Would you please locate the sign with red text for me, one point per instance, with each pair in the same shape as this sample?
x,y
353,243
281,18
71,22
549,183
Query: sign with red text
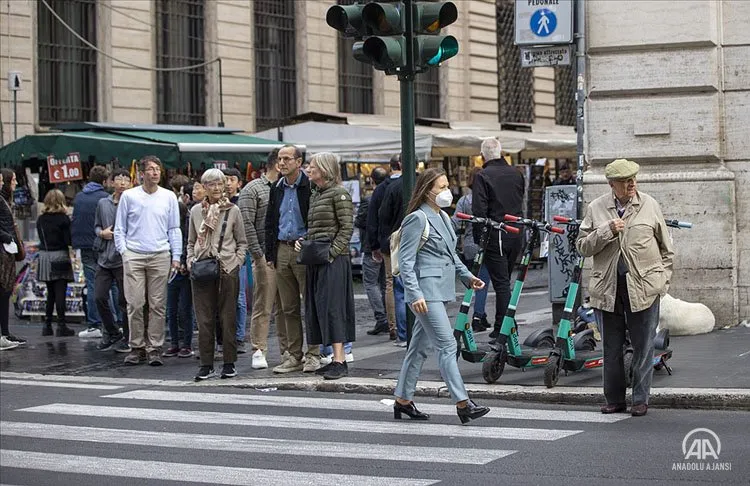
x,y
64,170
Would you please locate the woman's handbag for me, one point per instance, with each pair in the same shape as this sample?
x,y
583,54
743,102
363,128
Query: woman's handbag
x,y
209,269
21,255
315,252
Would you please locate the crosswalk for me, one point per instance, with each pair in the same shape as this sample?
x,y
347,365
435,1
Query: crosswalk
x,y
90,431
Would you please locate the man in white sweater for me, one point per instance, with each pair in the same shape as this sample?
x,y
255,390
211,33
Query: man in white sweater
x,y
148,237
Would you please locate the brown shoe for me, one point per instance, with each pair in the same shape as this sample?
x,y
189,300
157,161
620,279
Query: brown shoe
x,y
614,408
154,358
639,410
392,335
136,357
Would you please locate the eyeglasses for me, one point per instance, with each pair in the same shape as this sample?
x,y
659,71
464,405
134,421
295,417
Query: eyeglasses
x,y
286,159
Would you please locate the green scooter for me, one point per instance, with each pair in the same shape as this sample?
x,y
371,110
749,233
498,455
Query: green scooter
x,y
506,349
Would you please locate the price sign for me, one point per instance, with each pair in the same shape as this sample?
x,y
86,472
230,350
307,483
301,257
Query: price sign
x,y
64,170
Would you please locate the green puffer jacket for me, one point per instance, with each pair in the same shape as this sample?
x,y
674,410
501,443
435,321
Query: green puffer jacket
x,y
331,214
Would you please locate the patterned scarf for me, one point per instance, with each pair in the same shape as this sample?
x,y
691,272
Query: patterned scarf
x,y
211,213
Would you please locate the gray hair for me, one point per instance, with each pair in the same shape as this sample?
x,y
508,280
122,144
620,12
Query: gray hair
x,y
212,175
328,164
491,149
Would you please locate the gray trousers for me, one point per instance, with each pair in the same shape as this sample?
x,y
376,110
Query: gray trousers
x,y
431,331
642,328
373,277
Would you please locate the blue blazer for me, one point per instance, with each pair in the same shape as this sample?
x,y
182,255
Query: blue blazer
x,y
430,272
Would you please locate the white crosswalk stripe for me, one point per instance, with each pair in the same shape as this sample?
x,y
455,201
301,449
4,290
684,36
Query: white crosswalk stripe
x,y
193,426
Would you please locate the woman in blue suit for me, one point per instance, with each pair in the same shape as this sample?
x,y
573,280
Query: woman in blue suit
x,y
428,270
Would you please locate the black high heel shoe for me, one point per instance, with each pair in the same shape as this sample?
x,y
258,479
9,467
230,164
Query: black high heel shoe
x,y
410,410
471,412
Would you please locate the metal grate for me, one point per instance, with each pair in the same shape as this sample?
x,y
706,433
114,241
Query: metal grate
x,y
515,84
355,78
427,94
180,37
275,63
67,68
565,95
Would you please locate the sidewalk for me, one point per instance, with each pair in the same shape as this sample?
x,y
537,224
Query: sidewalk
x,y
709,371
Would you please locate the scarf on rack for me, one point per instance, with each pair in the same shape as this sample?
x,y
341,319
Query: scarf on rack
x,y
211,216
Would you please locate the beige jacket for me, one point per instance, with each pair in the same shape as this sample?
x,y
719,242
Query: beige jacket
x,y
644,244
233,248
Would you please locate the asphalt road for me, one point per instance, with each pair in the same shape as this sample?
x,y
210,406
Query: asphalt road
x,y
76,433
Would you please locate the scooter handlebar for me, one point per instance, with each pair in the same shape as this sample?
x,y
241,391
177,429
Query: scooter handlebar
x,y
510,218
463,216
556,229
678,224
561,219
511,229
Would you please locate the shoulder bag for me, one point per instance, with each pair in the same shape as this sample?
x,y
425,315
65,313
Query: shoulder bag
x,y
209,269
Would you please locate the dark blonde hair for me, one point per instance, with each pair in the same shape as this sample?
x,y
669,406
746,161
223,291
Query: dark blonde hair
x,y
424,184
54,202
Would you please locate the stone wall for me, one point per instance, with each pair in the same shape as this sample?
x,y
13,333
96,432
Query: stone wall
x,y
671,89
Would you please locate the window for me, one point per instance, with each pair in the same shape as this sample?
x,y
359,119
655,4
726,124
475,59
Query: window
x,y
275,63
565,95
515,84
355,78
427,94
180,37
67,67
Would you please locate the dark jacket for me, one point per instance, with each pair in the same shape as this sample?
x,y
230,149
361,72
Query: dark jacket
x,y
360,222
54,231
274,210
497,190
184,228
391,213
331,216
7,224
106,215
84,211
373,214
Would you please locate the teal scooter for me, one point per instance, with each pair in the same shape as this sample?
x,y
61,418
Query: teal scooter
x,y
506,349
464,335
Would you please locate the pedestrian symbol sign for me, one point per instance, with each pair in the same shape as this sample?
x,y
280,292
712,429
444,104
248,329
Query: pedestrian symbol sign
x,y
544,22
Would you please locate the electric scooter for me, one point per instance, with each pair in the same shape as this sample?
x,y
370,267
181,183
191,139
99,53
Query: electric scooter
x,y
467,346
506,348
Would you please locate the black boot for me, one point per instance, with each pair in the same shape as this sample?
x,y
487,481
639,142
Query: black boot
x,y
47,330
479,324
471,412
64,331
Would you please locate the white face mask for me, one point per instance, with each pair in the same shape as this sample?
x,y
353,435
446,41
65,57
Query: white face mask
x,y
444,198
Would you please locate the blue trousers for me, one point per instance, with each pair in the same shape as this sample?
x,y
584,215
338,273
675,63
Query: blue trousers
x,y
242,306
88,260
480,296
431,331
398,298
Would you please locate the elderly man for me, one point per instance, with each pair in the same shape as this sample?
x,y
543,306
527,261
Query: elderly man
x,y
625,233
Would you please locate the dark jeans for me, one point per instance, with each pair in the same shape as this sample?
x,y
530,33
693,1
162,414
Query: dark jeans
x,y
90,266
373,278
500,268
641,327
56,290
5,312
179,311
104,279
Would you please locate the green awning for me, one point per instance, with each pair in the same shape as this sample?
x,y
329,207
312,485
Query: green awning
x,y
175,149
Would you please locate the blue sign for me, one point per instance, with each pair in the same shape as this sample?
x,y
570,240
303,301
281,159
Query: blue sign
x,y
543,22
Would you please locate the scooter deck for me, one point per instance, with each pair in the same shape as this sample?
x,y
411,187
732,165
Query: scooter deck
x,y
584,360
529,357
478,355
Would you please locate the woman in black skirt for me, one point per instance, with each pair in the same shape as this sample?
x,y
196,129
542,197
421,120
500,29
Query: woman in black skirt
x,y
54,266
329,292
9,237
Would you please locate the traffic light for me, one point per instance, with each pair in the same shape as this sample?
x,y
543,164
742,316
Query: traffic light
x,y
431,48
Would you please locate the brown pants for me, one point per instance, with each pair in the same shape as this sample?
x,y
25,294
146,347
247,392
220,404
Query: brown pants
x,y
208,299
143,270
290,281
265,294
390,302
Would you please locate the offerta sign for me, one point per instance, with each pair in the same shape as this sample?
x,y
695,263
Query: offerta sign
x,y
64,170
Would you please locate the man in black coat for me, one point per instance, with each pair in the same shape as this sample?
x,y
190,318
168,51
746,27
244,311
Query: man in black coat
x,y
373,270
498,190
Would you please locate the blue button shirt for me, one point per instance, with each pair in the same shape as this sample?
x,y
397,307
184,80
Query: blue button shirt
x,y
291,224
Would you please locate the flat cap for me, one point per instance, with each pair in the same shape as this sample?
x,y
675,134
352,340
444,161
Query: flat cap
x,y
621,169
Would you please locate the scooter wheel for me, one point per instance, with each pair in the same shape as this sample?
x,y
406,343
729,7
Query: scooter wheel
x,y
551,373
628,365
493,365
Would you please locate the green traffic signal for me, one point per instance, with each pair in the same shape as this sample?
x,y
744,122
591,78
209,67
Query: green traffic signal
x,y
434,50
347,19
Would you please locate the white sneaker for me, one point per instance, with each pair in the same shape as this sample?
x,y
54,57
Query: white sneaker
x,y
92,332
259,361
349,357
326,360
5,343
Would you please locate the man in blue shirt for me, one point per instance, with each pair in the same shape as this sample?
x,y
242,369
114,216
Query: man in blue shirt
x,y
286,222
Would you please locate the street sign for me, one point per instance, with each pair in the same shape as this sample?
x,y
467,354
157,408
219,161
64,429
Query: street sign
x,y
542,22
14,80
545,56
64,170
